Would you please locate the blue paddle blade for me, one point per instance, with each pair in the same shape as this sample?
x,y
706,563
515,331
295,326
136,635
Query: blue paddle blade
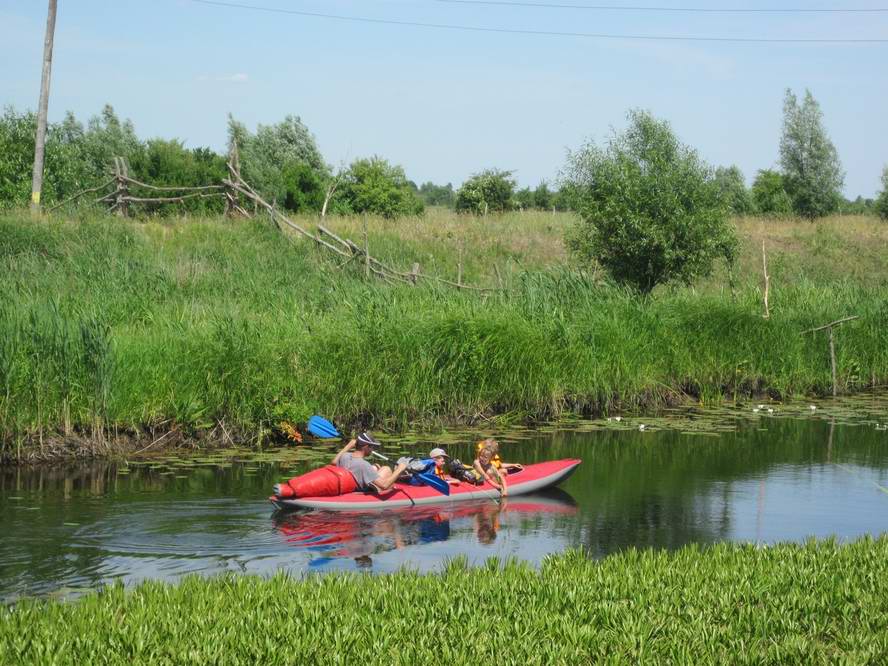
x,y
435,482
321,427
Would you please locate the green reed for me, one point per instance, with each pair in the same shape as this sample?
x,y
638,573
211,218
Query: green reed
x,y
818,602
108,323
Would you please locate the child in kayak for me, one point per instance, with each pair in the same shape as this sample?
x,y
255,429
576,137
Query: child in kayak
x,y
441,469
491,468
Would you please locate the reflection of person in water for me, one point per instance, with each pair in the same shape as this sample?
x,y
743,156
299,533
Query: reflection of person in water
x,y
360,536
487,522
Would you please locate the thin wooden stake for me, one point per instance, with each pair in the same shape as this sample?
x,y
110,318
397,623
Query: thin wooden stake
x,y
499,277
459,268
120,196
832,345
414,273
366,251
832,359
767,279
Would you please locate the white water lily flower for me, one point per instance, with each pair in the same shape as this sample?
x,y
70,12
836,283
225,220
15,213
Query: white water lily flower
x,y
761,406
812,407
755,410
642,426
770,410
618,418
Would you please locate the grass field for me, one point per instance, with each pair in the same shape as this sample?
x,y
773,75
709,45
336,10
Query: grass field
x,y
737,604
117,327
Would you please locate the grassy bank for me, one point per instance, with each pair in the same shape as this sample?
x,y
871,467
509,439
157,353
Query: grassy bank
x,y
186,324
812,603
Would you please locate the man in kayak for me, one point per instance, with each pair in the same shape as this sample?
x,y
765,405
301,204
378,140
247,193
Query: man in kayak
x,y
373,478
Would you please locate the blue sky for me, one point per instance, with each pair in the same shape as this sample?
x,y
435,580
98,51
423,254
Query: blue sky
x,y
446,103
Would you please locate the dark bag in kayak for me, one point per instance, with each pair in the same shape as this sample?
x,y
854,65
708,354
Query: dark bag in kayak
x,y
464,473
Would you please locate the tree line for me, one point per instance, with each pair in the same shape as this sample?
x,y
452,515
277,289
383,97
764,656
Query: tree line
x,y
281,161
809,180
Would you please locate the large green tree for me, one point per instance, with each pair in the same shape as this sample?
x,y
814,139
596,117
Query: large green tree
x,y
651,209
812,172
265,154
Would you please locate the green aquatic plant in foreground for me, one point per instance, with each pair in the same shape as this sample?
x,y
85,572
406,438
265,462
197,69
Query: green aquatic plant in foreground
x,y
106,324
791,603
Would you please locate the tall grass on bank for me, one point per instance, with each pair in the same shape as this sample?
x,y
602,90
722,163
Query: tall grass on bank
x,y
111,323
811,603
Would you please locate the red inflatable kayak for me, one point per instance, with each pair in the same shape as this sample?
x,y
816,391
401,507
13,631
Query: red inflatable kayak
x,y
531,478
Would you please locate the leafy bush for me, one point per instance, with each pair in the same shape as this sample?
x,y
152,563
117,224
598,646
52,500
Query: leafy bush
x,y
375,186
651,210
487,192
768,195
304,188
812,172
169,163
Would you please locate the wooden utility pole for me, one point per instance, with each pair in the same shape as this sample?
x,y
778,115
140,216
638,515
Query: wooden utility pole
x,y
40,139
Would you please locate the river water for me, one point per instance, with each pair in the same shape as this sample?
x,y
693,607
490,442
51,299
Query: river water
x,y
67,529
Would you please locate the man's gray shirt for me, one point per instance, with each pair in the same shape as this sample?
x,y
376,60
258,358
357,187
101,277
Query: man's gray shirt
x,y
364,472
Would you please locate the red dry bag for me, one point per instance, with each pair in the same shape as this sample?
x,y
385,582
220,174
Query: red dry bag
x,y
328,481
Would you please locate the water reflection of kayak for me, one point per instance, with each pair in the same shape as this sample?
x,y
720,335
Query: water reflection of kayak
x,y
531,479
362,533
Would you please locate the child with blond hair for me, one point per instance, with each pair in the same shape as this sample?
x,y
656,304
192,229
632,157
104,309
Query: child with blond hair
x,y
491,468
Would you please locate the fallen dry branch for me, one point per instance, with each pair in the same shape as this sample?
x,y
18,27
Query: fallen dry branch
x,y
81,193
171,188
198,195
